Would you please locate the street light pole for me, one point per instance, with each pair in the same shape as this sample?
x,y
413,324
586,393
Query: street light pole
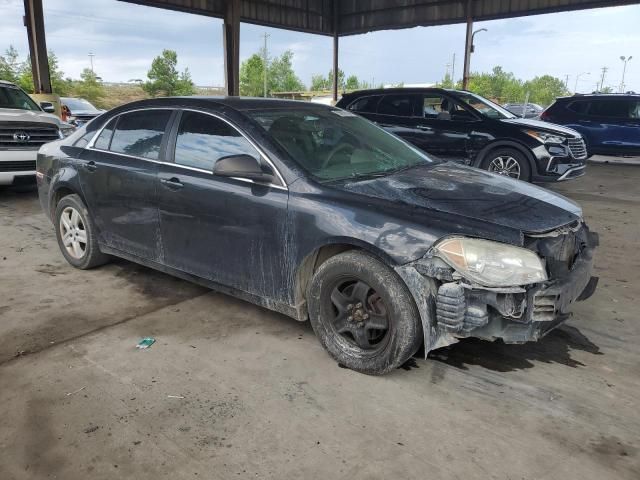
x,y
575,87
91,55
469,49
624,71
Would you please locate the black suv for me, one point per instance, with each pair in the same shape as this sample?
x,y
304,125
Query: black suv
x,y
609,123
461,126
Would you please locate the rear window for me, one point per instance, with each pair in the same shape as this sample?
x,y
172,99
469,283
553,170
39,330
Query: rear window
x,y
140,133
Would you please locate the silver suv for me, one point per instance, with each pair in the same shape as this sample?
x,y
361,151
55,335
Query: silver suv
x,y
24,127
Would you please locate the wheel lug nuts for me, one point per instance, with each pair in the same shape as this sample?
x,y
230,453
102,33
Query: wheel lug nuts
x,y
349,318
366,316
360,325
359,305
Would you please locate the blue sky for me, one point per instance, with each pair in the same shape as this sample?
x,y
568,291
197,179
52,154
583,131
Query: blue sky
x,y
125,38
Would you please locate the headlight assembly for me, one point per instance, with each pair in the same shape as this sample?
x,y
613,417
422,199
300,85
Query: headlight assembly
x,y
491,264
545,137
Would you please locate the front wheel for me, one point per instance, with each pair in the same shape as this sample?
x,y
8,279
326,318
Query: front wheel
x,y
508,162
363,314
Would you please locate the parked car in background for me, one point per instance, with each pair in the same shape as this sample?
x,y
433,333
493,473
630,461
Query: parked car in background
x,y
317,213
609,123
464,127
80,111
24,127
524,110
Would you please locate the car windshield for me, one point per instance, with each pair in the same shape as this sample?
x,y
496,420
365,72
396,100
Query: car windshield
x,y
13,97
484,106
77,104
334,144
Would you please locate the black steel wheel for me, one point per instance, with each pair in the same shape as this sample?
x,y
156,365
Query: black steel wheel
x,y
363,313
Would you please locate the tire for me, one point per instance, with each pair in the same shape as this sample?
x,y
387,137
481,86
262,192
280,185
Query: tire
x,y
512,160
345,277
79,232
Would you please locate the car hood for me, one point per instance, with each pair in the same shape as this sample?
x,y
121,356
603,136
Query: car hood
x,y
19,115
542,126
463,191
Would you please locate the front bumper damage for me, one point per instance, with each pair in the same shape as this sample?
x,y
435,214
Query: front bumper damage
x,y
452,308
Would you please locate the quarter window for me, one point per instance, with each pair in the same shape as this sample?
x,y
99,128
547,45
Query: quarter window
x,y
140,133
104,139
203,139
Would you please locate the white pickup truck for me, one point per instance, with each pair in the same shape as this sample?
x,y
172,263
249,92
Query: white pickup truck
x,y
24,127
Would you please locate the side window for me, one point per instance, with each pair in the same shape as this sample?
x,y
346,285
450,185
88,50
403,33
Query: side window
x,y
203,139
365,105
104,139
398,105
610,108
433,105
140,133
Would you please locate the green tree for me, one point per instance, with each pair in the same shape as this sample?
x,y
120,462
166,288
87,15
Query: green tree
x,y
280,75
252,76
498,85
545,89
447,81
164,78
319,82
9,65
89,87
60,85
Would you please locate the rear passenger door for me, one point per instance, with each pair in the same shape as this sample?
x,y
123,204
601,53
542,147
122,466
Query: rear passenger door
x,y
617,126
118,178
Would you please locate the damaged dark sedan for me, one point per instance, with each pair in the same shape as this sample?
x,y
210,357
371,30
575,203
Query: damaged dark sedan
x,y
319,214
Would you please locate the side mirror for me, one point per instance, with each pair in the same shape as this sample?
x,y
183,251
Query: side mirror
x,y
242,166
444,116
48,107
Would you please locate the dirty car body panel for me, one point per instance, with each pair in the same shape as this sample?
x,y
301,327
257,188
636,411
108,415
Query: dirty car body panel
x,y
263,240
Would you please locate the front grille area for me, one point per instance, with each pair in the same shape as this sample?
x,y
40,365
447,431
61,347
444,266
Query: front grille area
x,y
18,166
578,148
26,136
544,307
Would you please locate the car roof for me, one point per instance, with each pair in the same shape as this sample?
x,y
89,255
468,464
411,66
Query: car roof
x,y
5,82
235,103
384,91
610,96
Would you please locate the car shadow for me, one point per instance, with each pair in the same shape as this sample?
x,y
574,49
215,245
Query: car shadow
x,y
556,347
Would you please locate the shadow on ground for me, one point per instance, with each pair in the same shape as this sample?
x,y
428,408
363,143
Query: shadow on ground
x,y
556,347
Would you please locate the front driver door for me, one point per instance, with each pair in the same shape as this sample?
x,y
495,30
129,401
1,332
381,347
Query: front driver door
x,y
227,230
118,180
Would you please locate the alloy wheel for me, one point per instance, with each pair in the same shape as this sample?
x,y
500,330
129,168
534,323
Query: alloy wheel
x,y
505,165
360,315
73,233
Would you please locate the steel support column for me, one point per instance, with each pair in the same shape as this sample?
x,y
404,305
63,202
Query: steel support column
x,y
468,48
336,40
34,21
231,41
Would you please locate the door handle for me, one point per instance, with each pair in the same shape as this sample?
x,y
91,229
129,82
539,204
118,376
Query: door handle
x,y
424,127
91,166
172,183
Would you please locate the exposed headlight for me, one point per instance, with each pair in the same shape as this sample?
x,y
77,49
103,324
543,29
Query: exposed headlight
x,y
491,264
66,131
545,137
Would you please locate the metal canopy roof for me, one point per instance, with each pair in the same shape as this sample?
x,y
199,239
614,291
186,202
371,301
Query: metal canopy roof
x,y
361,16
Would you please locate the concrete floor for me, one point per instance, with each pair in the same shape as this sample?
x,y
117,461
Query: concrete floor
x,y
233,390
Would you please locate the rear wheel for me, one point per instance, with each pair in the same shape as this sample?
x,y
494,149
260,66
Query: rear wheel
x,y
363,313
508,162
76,234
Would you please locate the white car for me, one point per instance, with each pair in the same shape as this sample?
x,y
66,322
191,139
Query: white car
x,y
24,127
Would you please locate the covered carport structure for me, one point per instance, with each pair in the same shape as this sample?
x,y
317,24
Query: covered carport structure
x,y
335,18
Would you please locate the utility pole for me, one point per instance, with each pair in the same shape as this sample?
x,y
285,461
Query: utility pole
x,y
604,72
566,81
453,71
265,62
91,55
624,71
